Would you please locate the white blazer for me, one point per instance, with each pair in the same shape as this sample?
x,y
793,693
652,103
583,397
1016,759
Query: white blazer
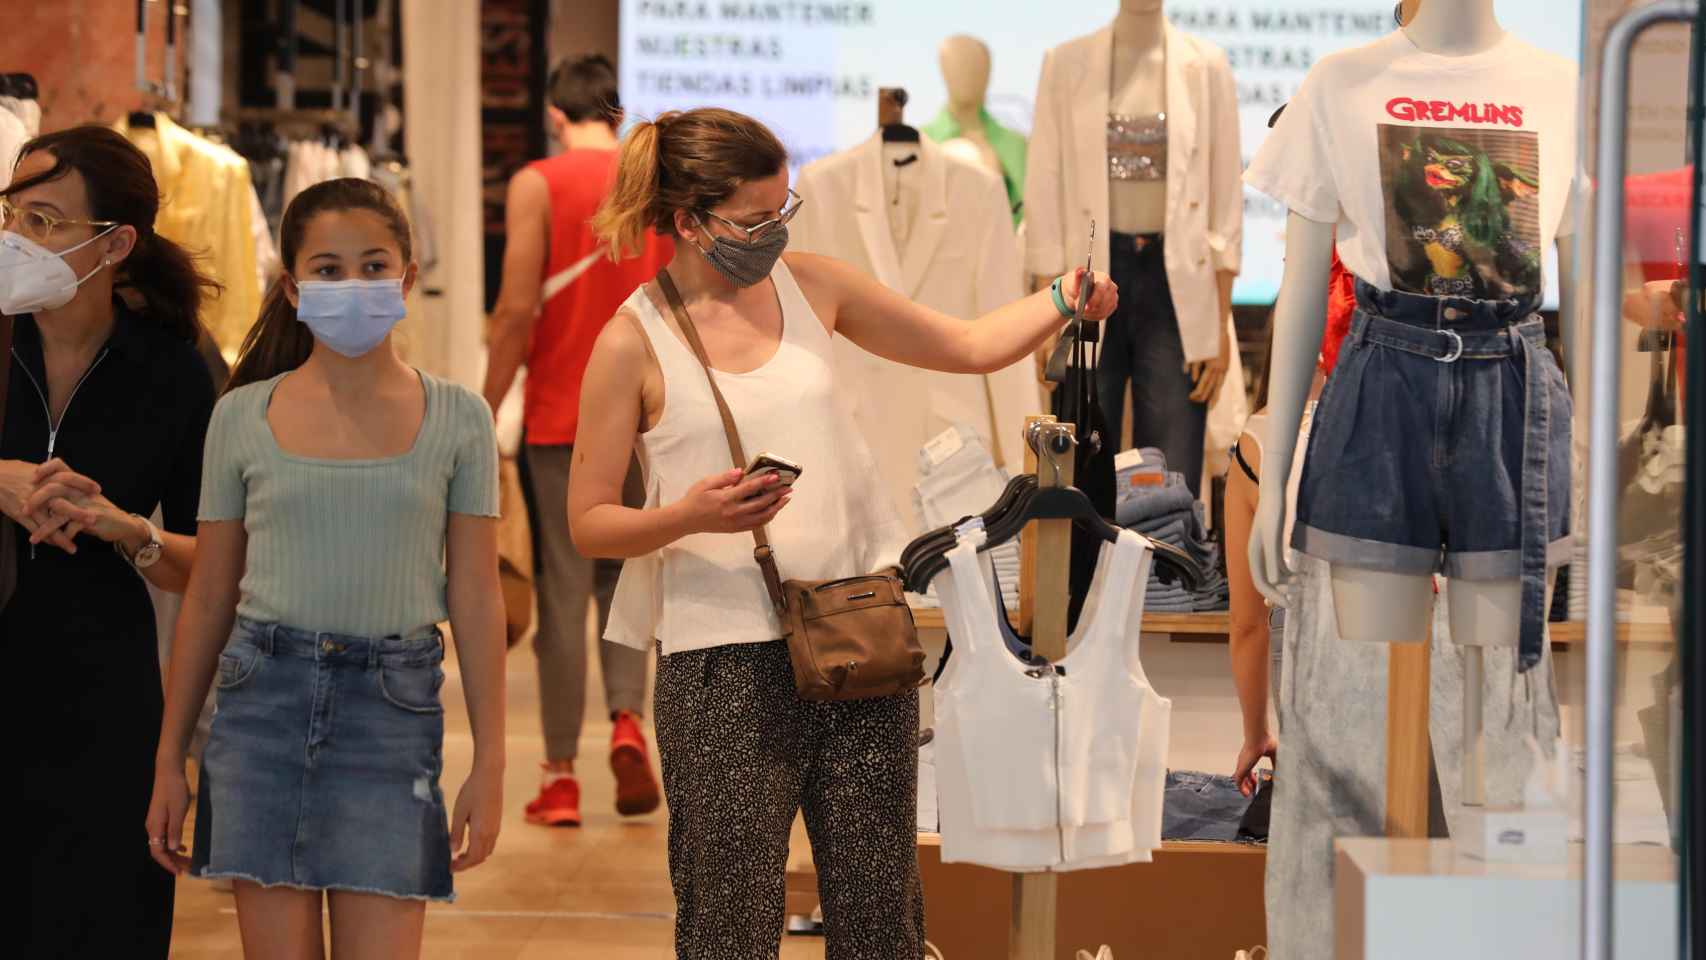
x,y
1066,177
961,259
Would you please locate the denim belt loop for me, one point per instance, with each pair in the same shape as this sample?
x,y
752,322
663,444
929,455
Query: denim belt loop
x,y
1359,327
373,654
265,638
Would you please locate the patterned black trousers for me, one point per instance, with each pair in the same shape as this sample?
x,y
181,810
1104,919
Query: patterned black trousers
x,y
741,754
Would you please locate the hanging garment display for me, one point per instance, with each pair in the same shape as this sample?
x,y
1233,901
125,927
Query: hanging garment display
x,y
20,119
934,228
1049,766
13,136
208,210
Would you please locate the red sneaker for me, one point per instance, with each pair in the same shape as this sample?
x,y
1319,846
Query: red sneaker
x,y
558,803
636,787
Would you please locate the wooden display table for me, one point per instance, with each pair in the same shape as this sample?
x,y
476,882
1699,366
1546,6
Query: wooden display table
x,y
1195,900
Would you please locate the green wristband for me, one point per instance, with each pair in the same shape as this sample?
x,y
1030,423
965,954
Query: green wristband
x,y
1060,301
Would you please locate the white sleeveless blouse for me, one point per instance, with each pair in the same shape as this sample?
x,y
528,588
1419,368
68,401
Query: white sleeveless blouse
x,y
706,590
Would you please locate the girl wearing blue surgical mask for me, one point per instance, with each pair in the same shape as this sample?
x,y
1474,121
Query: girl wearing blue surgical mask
x,y
348,507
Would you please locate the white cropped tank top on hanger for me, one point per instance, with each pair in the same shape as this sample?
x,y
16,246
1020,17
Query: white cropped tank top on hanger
x,y
1057,767
705,590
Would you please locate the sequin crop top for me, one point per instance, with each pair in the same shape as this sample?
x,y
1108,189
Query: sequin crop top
x,y
1137,146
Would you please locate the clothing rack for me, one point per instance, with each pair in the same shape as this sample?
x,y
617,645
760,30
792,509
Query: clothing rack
x,y
308,121
1044,594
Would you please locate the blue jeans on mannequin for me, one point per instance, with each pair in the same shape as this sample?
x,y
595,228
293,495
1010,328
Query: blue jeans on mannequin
x,y
1141,345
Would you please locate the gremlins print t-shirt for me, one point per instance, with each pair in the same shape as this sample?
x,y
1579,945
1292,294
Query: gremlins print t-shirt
x,y
1446,176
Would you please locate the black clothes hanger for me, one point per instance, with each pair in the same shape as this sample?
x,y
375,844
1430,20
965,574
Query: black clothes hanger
x,y
890,102
926,556
942,539
140,119
20,86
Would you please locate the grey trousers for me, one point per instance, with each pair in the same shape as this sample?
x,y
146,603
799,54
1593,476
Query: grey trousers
x,y
1330,779
566,582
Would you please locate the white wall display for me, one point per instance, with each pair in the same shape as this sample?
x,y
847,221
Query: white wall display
x,y
811,68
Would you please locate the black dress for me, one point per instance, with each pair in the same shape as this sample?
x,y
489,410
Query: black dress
x,y
79,639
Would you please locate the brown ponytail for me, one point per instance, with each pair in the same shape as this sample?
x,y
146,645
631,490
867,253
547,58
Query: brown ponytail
x,y
684,160
278,343
121,188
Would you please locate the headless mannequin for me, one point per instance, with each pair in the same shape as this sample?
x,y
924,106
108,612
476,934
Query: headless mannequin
x,y
1138,87
1375,605
965,69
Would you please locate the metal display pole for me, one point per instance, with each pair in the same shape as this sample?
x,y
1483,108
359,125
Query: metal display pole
x,y
1605,359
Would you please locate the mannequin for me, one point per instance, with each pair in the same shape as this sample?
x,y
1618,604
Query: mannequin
x,y
1375,605
966,130
965,68
1138,87
1137,131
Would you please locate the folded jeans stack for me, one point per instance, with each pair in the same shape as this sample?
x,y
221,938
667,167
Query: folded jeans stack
x,y
957,478
1166,511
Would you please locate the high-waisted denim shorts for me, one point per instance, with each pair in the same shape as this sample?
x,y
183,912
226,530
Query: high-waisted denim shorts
x,y
1442,444
322,768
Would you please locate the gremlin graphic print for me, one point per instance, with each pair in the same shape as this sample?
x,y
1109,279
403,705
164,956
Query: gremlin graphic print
x,y
1462,211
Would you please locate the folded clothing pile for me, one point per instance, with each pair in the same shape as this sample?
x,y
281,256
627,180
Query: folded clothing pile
x,y
958,478
1156,503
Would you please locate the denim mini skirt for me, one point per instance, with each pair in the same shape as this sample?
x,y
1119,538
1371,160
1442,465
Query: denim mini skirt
x,y
321,771
1442,444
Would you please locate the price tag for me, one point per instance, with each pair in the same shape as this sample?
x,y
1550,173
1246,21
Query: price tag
x,y
942,446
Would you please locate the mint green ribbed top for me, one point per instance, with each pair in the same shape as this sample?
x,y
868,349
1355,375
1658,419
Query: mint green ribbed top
x,y
354,547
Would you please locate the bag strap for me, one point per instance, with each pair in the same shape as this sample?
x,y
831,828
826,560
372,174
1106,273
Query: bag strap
x,y
761,551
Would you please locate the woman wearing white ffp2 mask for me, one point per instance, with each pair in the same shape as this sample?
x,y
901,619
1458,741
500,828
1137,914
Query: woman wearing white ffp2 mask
x,y
106,407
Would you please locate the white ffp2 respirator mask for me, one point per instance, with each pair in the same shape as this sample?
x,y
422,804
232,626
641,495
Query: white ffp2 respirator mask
x,y
33,278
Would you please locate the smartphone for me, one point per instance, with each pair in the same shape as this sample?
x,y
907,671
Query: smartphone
x,y
787,470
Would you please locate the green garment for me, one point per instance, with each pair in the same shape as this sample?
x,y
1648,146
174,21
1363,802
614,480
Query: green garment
x,y
1009,149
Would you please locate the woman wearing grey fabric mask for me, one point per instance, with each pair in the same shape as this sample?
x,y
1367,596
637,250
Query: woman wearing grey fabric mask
x,y
741,751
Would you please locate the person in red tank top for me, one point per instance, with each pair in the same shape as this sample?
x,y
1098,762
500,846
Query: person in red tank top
x,y
560,286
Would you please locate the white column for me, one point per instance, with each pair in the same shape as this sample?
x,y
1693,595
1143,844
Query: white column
x,y
441,119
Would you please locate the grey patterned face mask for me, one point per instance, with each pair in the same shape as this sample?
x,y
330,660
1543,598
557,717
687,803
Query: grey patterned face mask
x,y
744,263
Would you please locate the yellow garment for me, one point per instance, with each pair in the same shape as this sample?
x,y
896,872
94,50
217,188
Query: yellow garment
x,y
207,208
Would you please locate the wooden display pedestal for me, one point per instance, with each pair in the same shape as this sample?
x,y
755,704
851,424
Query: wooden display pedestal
x,y
1421,899
1195,900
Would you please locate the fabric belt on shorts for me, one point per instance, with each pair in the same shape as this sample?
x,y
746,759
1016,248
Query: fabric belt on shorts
x,y
1453,330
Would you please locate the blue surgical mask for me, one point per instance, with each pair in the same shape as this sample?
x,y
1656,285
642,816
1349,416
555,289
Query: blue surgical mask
x,y
350,316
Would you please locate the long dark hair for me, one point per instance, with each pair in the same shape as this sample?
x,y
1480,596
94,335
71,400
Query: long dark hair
x,y
120,184
277,342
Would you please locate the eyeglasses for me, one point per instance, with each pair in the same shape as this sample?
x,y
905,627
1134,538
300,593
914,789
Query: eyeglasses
x,y
39,226
756,233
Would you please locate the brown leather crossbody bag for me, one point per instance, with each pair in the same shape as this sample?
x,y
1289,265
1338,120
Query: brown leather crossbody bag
x,y
848,639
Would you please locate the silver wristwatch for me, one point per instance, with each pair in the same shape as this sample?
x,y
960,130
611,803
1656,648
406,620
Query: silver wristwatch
x,y
149,554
